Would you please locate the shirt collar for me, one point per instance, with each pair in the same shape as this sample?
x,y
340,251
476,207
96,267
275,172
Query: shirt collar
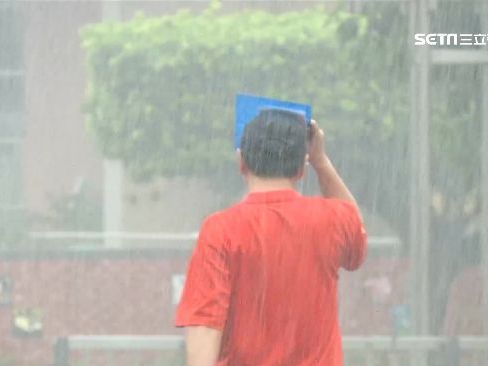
x,y
278,195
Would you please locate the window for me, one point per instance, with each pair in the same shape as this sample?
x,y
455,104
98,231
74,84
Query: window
x,y
9,174
11,70
11,121
11,95
10,36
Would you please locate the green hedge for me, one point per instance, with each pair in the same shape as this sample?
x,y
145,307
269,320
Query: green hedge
x,y
161,95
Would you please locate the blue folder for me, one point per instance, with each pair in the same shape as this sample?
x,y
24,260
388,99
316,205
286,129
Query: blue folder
x,y
248,107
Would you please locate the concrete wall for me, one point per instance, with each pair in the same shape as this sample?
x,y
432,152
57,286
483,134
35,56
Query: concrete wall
x,y
57,150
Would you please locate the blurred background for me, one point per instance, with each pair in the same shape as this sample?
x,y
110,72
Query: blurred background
x,y
116,127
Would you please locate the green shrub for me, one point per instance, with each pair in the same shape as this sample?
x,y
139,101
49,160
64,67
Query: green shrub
x,y
161,91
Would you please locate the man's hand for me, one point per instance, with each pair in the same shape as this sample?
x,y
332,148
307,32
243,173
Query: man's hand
x,y
316,145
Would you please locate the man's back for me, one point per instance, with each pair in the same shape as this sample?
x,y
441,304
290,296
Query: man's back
x,y
265,273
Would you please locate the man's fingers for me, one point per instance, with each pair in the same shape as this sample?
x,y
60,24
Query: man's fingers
x,y
315,129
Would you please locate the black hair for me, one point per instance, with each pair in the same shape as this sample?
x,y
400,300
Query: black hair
x,y
274,144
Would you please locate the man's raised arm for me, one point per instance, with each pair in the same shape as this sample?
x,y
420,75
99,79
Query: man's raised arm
x,y
331,184
353,249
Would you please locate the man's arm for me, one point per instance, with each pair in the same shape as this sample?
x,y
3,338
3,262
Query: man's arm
x,y
353,249
205,299
202,346
331,184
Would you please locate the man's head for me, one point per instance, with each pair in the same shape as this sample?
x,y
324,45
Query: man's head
x,y
274,145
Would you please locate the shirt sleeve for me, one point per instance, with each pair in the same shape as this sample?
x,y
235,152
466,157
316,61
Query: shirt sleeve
x,y
354,243
205,297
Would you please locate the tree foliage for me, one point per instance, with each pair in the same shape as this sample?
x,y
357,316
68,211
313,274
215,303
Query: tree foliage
x,y
162,89
161,94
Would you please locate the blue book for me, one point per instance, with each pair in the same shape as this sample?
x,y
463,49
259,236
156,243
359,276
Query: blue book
x,y
249,106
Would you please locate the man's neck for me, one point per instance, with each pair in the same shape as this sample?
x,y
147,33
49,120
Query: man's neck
x,y
256,184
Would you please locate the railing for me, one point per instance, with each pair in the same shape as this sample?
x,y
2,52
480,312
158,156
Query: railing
x,y
184,241
417,345
108,239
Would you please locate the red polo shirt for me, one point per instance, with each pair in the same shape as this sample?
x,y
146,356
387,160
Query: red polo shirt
x,y
265,271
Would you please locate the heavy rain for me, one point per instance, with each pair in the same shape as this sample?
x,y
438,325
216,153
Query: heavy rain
x,y
121,154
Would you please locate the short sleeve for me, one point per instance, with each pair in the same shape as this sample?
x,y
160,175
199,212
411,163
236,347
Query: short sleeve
x,y
205,297
354,236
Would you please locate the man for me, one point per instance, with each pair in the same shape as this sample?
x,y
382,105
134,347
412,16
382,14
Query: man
x,y
261,288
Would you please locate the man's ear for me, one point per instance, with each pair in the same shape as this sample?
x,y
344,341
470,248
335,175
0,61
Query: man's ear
x,y
243,169
301,172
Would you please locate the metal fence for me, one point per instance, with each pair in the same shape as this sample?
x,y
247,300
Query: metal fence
x,y
400,350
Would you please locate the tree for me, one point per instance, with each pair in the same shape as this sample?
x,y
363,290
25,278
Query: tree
x,y
161,94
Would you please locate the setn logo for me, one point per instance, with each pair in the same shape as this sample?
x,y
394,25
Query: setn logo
x,y
436,39
450,39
